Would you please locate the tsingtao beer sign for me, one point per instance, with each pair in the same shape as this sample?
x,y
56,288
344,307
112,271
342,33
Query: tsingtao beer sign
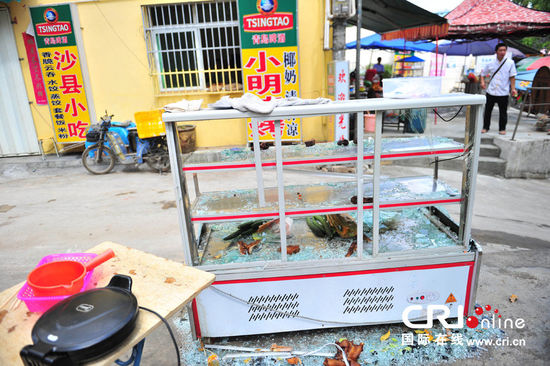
x,y
52,26
270,58
268,21
61,70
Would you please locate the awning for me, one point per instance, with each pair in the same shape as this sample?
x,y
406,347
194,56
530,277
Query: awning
x,y
375,41
411,59
476,48
482,19
401,18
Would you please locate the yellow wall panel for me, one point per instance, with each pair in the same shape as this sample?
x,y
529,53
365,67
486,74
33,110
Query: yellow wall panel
x,y
116,55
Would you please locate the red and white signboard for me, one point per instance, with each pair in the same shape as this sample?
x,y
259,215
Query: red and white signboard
x,y
35,69
338,80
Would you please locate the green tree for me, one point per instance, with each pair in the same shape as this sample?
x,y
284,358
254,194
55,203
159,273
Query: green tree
x,y
534,4
536,42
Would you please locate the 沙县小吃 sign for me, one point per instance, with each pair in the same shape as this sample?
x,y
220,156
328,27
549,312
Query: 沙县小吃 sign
x,y
61,70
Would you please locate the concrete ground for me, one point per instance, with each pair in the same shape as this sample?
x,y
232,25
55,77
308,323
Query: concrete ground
x,y
55,206
455,127
51,210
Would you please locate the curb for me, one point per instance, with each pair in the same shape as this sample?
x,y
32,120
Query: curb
x,y
34,163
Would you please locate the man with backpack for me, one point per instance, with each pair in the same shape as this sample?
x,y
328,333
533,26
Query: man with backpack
x,y
502,82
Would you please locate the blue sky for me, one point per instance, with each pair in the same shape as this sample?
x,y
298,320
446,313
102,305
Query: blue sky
x,y
436,6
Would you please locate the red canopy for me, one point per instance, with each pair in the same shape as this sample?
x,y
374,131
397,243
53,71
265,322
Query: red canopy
x,y
482,19
496,18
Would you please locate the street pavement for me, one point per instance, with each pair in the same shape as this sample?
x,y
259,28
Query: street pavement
x,y
62,210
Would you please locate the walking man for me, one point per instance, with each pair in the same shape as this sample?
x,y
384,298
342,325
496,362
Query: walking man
x,y
502,81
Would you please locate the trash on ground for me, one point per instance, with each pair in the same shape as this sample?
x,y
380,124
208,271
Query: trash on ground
x,y
461,344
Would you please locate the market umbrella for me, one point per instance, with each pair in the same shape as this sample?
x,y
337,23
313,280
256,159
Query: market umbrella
x,y
375,41
411,59
543,61
526,62
476,48
485,19
482,19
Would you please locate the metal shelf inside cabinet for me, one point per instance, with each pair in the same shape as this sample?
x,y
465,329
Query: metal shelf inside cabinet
x,y
321,199
322,153
414,229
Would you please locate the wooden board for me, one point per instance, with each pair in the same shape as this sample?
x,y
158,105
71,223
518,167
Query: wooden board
x,y
158,284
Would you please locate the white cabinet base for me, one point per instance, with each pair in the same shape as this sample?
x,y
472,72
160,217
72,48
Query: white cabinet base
x,y
328,300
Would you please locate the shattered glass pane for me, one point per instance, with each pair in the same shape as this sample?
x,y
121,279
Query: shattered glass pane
x,y
408,229
461,344
323,150
312,197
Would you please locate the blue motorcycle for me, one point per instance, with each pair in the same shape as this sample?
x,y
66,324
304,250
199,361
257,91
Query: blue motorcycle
x,y
110,141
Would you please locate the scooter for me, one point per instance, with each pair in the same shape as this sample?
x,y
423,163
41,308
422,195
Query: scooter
x,y
110,141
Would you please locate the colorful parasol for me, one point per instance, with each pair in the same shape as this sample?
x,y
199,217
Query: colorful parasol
x,y
526,62
543,61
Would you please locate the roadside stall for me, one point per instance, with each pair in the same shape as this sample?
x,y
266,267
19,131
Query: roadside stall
x,y
351,252
409,67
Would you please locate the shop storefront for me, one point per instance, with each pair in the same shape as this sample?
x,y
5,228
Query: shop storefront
x,y
140,55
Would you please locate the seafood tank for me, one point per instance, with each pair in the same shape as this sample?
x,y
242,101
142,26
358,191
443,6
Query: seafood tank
x,y
242,157
404,230
365,245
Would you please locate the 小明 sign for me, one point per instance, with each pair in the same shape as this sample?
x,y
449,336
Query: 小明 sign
x,y
270,59
61,69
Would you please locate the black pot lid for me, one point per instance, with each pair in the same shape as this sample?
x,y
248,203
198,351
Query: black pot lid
x,y
86,319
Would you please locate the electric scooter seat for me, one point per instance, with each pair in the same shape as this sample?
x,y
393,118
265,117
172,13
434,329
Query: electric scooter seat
x,y
122,124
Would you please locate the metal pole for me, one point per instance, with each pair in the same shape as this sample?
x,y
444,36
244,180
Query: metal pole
x,y
519,114
472,141
436,173
358,51
196,183
280,188
338,40
436,54
359,132
376,184
370,58
258,161
436,67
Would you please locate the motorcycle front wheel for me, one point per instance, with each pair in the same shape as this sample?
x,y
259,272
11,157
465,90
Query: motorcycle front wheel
x,y
98,164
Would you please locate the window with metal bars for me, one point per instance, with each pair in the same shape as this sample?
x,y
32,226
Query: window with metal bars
x,y
194,47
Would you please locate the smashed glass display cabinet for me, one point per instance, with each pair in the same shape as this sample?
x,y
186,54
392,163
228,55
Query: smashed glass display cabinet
x,y
331,249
